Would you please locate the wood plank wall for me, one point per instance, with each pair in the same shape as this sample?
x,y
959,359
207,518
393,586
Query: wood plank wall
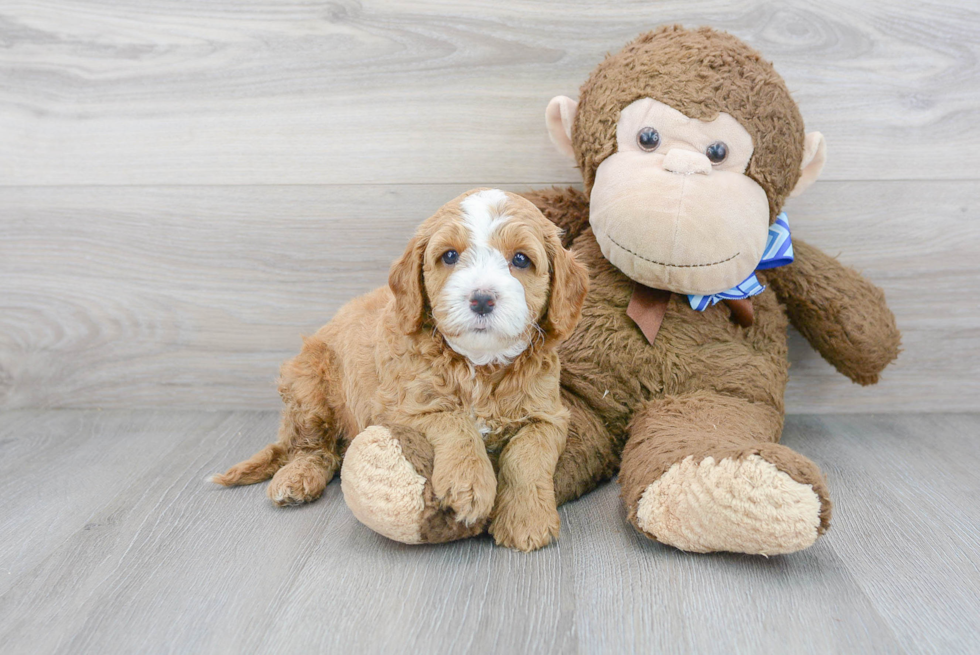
x,y
186,187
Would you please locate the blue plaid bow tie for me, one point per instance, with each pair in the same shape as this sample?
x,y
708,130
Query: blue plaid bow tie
x,y
778,252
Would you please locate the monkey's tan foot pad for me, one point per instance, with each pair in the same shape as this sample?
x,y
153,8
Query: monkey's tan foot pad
x,y
744,505
386,481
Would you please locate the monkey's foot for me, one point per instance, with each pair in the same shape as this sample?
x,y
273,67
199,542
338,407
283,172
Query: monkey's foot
x,y
386,479
736,504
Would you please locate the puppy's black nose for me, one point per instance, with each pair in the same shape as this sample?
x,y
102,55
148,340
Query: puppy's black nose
x,y
482,303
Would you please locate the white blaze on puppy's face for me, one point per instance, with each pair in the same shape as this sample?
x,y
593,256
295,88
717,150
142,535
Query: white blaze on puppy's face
x,y
489,270
482,271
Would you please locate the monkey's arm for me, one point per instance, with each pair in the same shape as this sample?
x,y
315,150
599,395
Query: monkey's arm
x,y
841,314
568,208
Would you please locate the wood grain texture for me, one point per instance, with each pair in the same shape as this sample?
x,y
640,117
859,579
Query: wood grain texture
x,y
172,563
155,560
264,92
637,596
193,296
69,457
902,487
184,190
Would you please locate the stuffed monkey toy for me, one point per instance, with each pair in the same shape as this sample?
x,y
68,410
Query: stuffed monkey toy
x,y
689,144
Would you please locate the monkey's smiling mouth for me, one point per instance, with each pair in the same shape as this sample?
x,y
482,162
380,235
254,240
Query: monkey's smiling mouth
x,y
653,261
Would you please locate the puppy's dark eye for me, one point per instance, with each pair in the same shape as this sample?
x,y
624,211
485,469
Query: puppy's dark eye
x,y
521,260
648,139
450,257
717,152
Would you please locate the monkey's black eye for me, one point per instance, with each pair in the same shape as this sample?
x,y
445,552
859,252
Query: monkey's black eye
x,y
648,139
449,257
717,152
521,260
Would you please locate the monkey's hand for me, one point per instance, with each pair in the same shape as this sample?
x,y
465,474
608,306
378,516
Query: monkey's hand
x,y
841,314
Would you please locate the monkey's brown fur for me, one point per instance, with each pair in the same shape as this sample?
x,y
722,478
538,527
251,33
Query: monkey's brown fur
x,y
706,388
699,73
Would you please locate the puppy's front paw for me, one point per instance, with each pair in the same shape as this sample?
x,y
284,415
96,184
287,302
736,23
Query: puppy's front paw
x,y
468,486
525,524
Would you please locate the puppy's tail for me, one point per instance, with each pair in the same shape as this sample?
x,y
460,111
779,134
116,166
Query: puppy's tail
x,y
260,466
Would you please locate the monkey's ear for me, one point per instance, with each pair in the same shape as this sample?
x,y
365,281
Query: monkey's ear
x,y
814,157
559,117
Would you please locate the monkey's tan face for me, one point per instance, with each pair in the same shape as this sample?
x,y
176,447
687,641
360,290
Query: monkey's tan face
x,y
673,208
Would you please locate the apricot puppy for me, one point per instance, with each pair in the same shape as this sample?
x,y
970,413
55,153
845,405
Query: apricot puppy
x,y
460,347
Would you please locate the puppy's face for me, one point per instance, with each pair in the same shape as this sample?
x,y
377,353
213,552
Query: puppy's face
x,y
489,262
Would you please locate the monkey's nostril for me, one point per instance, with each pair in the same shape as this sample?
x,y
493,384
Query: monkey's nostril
x,y
482,303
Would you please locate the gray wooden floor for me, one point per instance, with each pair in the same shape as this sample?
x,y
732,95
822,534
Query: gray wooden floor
x,y
111,541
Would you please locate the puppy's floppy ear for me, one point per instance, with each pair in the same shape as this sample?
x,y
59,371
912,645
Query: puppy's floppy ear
x,y
405,280
569,284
